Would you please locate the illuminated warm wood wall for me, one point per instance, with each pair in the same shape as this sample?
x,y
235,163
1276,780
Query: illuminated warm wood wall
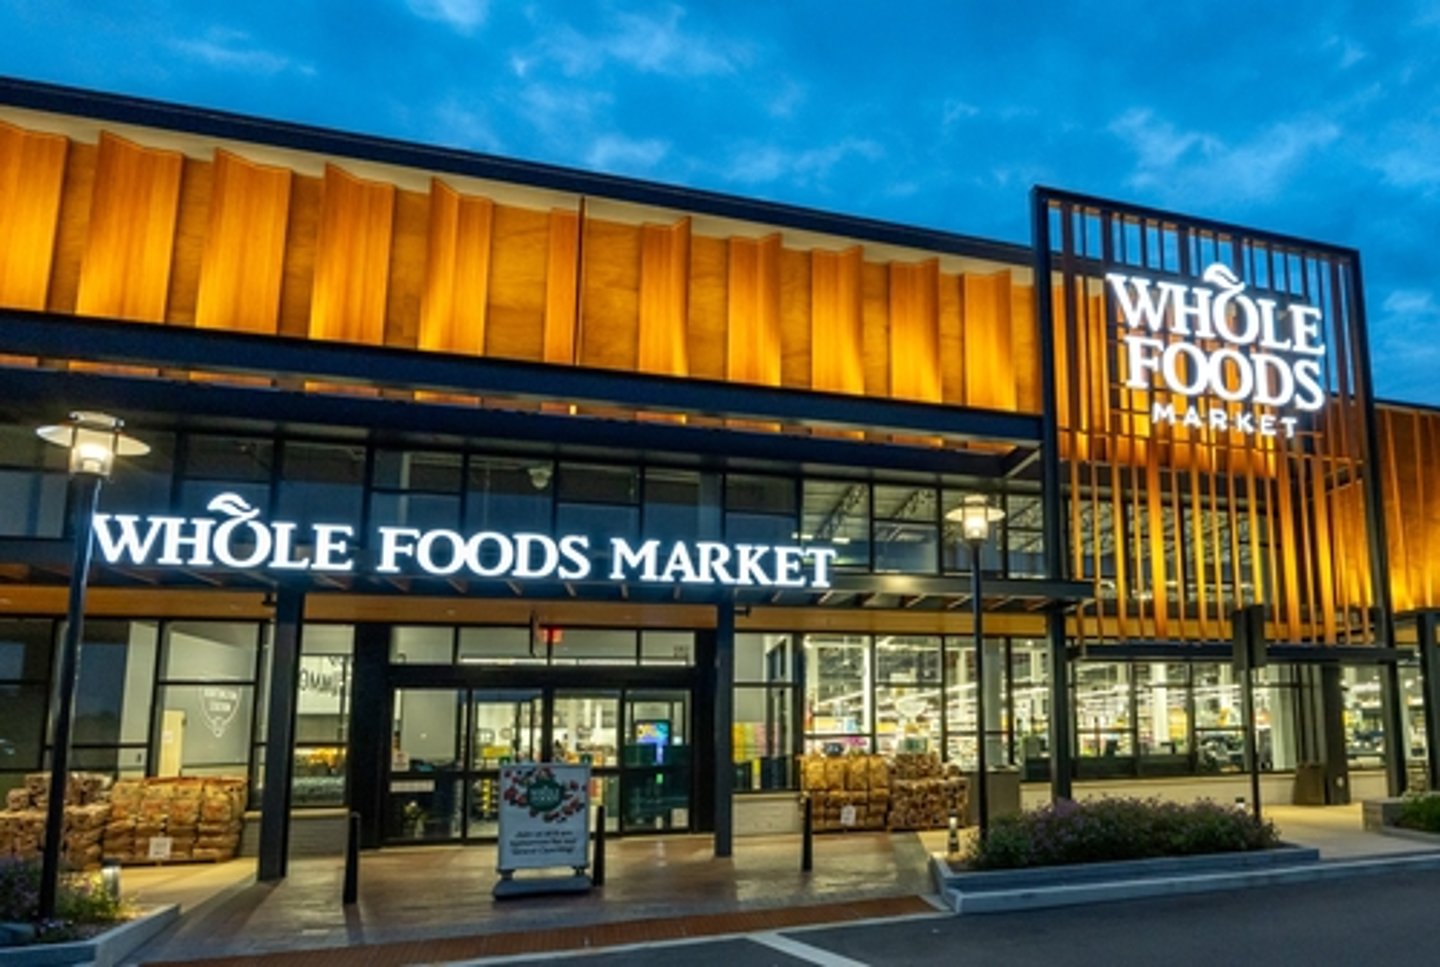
x,y
120,229
1409,452
1178,527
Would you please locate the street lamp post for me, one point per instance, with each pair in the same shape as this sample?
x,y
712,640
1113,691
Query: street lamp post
x,y
94,441
975,515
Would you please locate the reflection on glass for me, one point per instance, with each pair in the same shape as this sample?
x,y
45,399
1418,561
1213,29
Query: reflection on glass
x,y
837,693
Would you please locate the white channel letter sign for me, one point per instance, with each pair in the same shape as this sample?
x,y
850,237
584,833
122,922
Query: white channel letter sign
x,y
1270,355
237,539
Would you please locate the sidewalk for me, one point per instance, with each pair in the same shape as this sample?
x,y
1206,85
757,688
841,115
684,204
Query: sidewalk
x,y
427,905
672,885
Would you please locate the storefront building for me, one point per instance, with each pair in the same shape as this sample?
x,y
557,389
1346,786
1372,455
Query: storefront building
x,y
458,460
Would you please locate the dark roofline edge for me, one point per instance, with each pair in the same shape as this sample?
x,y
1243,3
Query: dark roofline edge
x,y
146,112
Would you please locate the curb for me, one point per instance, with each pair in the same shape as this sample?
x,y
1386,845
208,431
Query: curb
x,y
103,950
1065,895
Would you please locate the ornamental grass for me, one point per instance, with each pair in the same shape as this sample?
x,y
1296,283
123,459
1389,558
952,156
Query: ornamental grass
x,y
83,906
1103,830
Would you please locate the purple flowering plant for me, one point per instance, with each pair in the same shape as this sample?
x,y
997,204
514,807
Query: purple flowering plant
x,y
1102,830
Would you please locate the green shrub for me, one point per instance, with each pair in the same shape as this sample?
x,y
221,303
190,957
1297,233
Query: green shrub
x,y
1102,830
1420,812
82,902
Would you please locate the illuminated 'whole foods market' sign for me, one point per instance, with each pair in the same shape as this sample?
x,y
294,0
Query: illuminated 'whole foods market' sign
x,y
237,539
1268,356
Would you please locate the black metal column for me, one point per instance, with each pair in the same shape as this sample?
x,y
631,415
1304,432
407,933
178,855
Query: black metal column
x,y
724,697
1428,624
280,734
1392,707
1332,734
84,498
1052,499
370,724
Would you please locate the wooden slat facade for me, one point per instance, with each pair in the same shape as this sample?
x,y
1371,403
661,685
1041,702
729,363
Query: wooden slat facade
x,y
231,240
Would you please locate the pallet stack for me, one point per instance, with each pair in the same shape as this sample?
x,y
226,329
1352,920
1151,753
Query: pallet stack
x,y
925,793
854,788
87,810
201,818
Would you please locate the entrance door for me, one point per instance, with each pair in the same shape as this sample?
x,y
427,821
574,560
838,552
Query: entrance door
x,y
506,727
449,745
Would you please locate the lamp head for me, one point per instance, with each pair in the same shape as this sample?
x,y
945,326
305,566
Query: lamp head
x,y
975,515
94,441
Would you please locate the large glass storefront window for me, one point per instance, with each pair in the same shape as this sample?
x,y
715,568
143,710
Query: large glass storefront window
x,y
1030,694
1364,716
1219,719
908,694
838,696
25,649
1104,719
205,698
322,715
764,717
113,696
33,482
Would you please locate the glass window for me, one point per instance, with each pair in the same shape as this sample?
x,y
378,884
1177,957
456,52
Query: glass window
x,y
1364,718
322,483
960,692
509,495
205,729
145,484
32,503
1163,709
672,504
1219,722
422,645
421,511
228,458
764,738
599,484
907,694
763,658
590,646
117,674
837,693
837,514
667,647
210,651
322,715
21,447
907,536
1030,693
499,646
435,472
760,510
22,727
1102,710
25,649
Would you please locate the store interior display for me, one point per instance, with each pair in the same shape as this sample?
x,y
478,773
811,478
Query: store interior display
x,y
189,818
908,791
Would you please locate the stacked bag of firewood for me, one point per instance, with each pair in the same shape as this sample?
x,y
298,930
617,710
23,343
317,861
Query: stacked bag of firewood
x,y
22,824
850,792
200,818
923,792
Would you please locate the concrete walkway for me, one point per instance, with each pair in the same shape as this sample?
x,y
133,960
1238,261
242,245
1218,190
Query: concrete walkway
x,y
444,892
431,904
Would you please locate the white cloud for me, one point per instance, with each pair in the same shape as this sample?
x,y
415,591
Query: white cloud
x,y
786,100
1199,168
561,111
1350,52
464,127
955,111
648,43
226,49
461,15
613,152
765,163
1413,163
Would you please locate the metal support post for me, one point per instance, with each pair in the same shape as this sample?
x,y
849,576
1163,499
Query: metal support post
x,y
597,862
280,735
724,715
1428,624
351,891
982,778
807,836
85,497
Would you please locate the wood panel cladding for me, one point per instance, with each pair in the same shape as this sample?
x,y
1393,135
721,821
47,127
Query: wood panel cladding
x,y
231,242
32,173
1409,450
125,272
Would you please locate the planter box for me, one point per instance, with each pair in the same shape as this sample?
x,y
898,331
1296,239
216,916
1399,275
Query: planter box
x,y
103,950
1080,883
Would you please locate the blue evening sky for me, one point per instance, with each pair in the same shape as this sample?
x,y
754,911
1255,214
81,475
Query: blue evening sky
x,y
1317,118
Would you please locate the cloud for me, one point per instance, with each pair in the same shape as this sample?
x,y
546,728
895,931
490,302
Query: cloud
x,y
647,43
1350,52
768,163
613,152
1408,352
561,111
1413,163
226,49
464,127
1199,168
463,16
955,111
